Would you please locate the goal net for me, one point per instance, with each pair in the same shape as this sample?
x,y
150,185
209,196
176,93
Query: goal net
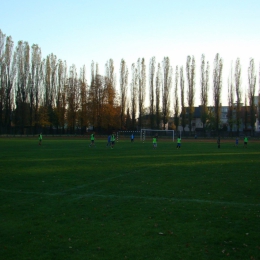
x,y
162,134
126,135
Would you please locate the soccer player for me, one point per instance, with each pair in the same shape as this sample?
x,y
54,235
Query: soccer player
x,y
132,138
40,139
178,143
154,142
113,140
92,140
236,141
109,140
245,141
218,141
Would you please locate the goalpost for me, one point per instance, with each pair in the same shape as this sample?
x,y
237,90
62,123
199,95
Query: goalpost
x,y
152,132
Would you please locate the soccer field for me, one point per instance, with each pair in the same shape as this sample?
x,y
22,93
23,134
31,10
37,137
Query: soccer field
x,y
65,200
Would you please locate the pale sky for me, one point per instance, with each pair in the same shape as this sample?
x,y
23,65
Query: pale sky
x,y
80,31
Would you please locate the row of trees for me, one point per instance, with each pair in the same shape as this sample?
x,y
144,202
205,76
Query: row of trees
x,y
38,92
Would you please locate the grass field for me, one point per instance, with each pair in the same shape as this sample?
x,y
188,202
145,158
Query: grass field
x,y
64,200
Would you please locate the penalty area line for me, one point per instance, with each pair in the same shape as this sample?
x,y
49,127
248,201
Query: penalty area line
x,y
169,199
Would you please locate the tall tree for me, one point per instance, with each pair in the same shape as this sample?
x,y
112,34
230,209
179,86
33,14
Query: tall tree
x,y
141,89
93,96
47,104
53,89
251,94
217,87
35,85
152,91
123,90
183,108
176,100
238,94
111,116
60,86
167,83
83,100
10,70
158,84
231,100
73,99
204,83
134,96
100,85
64,94
23,68
2,78
190,70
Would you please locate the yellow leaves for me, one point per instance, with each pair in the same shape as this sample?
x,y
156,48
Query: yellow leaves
x,y
43,116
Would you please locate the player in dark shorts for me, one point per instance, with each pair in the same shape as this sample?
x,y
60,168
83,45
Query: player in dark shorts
x,y
245,141
40,139
92,139
178,143
113,140
218,142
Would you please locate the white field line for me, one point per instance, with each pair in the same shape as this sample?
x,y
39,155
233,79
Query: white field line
x,y
122,197
231,203
69,190
61,192
95,194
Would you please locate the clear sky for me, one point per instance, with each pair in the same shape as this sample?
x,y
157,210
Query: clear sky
x,y
80,31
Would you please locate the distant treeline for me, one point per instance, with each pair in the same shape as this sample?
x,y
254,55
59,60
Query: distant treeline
x,y
37,92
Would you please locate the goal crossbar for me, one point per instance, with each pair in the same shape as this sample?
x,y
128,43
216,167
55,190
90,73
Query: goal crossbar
x,y
144,130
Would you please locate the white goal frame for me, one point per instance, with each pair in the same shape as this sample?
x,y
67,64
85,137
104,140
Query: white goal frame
x,y
127,132
143,133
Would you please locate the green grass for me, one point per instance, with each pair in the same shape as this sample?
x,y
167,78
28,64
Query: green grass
x,y
64,200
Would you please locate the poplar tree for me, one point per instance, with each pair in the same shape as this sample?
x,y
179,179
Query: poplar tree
x,y
64,94
158,84
83,88
60,86
53,89
190,70
152,91
183,108
73,99
123,90
10,74
251,94
217,87
238,94
2,78
231,100
134,96
93,95
46,105
141,89
111,114
204,83
167,83
23,68
35,85
176,98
